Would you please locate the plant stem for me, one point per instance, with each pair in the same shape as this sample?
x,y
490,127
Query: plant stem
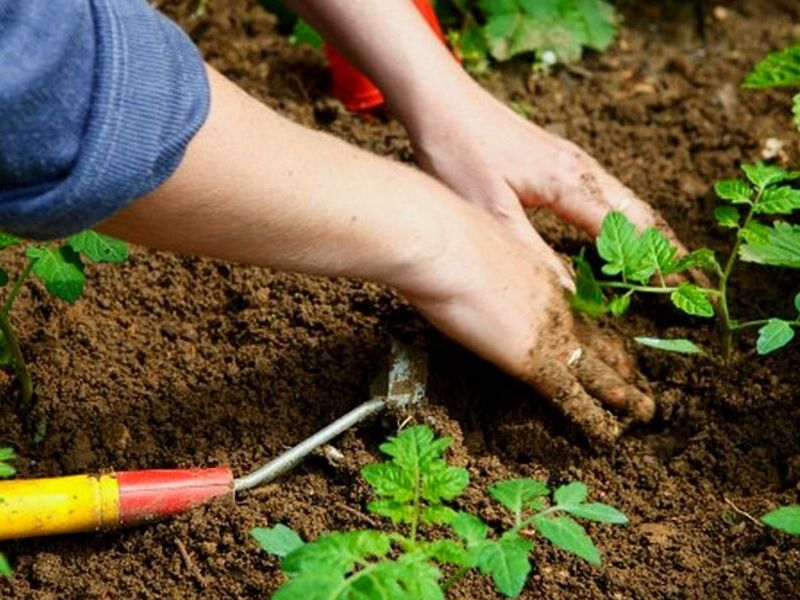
x,y
12,341
649,289
760,322
727,326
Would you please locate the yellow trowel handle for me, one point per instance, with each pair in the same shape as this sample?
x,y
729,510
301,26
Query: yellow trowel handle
x,y
41,507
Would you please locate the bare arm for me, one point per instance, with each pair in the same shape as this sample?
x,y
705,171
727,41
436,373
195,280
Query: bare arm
x,y
256,188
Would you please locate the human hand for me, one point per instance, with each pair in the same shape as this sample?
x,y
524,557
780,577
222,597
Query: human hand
x,y
487,294
503,163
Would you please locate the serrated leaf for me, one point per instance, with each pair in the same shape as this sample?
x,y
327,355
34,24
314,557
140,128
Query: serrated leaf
x,y
776,69
619,305
322,586
619,245
774,335
571,494
568,535
388,479
99,248
506,561
59,269
5,567
469,527
336,553
588,297
778,246
755,232
681,346
444,483
703,258
733,190
763,175
415,448
781,200
7,454
692,300
448,552
279,540
7,240
727,216
596,511
515,494
786,519
659,253
438,515
398,512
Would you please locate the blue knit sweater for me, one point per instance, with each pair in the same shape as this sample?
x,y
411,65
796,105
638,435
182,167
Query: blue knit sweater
x,y
98,101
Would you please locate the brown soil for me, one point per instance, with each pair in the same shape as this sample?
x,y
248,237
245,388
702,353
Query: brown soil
x,y
176,361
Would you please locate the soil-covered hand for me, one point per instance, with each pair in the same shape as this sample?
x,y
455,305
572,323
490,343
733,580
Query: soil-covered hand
x,y
490,296
504,163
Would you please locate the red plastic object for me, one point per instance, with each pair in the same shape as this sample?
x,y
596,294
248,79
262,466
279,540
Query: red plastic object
x,y
149,495
352,87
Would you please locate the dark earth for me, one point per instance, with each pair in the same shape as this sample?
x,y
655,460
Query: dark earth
x,y
174,362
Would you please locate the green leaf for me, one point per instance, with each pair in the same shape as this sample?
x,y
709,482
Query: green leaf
x,y
470,46
568,535
660,253
438,515
703,258
733,190
516,494
279,540
398,512
681,346
727,216
506,561
776,69
796,110
303,33
388,479
8,240
619,305
448,552
797,302
786,519
763,175
415,448
3,277
322,586
692,300
588,297
99,248
781,200
470,528
620,247
555,29
336,553
778,246
60,269
5,567
7,455
774,335
444,483
571,494
595,511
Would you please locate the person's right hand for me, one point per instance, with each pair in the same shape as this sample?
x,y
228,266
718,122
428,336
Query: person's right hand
x,y
491,295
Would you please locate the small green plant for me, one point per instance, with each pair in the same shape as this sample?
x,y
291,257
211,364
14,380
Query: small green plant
x,y
779,69
412,490
786,519
554,31
643,263
60,267
6,470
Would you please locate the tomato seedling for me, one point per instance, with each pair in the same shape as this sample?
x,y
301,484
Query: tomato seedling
x,y
60,267
779,69
6,470
644,262
412,490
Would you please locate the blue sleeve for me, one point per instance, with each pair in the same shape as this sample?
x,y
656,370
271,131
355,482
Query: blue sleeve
x,y
98,101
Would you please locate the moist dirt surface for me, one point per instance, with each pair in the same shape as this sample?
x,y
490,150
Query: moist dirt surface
x,y
176,362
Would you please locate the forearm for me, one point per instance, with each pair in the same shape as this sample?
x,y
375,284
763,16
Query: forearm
x,y
256,188
390,42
